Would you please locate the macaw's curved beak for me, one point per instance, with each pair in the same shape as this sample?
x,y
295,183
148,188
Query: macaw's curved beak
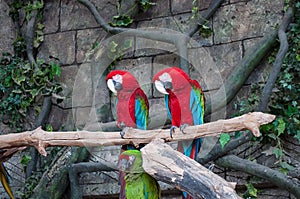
x,y
163,86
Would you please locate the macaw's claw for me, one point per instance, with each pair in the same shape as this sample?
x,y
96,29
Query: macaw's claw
x,y
122,133
182,127
172,130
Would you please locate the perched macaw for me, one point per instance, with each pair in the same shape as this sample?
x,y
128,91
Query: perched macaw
x,y
5,181
184,101
139,184
132,108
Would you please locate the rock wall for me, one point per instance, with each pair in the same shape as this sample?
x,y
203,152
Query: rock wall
x,y
73,36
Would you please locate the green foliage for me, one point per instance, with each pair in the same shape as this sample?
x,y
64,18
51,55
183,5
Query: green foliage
x,y
224,139
125,19
25,160
121,21
251,191
28,7
117,50
285,101
204,30
145,4
21,84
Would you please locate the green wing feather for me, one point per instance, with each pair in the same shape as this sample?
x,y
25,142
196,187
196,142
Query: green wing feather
x,y
139,184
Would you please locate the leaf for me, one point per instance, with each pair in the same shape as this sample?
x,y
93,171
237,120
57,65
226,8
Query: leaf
x,y
273,136
25,160
277,152
280,127
297,136
251,189
49,128
126,44
113,46
224,139
122,21
287,166
55,69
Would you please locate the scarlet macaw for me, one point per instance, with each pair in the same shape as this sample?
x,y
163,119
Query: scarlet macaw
x,y
184,101
132,108
5,181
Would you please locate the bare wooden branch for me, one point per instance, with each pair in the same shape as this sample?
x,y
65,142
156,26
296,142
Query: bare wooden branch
x,y
41,139
172,167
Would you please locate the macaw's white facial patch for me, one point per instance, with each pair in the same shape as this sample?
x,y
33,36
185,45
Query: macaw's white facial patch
x,y
160,87
111,86
165,77
118,78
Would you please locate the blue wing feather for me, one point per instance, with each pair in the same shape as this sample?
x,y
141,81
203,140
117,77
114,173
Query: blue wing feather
x,y
197,109
141,114
167,106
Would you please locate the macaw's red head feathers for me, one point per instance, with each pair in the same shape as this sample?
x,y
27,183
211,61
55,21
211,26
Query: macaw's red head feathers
x,y
171,79
118,80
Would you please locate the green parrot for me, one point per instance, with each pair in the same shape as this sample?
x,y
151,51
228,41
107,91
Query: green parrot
x,y
139,184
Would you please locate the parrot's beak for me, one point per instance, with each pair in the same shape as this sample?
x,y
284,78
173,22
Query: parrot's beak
x,y
118,86
111,86
161,87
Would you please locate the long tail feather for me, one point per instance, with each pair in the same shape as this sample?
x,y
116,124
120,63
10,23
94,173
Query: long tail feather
x,y
4,180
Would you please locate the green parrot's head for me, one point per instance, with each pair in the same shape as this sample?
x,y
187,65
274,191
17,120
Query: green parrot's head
x,y
131,162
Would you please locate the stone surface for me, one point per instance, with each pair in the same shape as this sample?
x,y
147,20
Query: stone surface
x,y
161,9
140,68
67,79
82,95
85,40
226,57
230,25
180,6
82,116
61,119
7,30
60,46
71,16
51,16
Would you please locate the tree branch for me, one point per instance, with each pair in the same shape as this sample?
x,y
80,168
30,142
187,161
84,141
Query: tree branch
x,y
267,91
179,40
41,139
29,37
214,5
217,151
232,85
277,178
174,168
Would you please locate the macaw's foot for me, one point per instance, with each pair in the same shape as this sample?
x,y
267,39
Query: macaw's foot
x,y
172,130
122,133
211,167
182,127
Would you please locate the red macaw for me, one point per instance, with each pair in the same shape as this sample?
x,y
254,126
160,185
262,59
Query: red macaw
x,y
4,180
132,108
184,101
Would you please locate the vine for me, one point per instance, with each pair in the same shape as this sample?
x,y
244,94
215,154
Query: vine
x,y
125,19
21,83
